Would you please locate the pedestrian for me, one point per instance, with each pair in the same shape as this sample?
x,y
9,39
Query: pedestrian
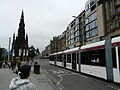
x,y
1,64
18,64
4,65
9,64
13,64
22,82
23,63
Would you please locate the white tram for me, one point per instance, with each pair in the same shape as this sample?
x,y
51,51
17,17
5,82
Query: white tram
x,y
100,59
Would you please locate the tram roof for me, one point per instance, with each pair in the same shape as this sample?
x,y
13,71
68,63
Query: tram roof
x,y
93,45
116,39
71,50
53,53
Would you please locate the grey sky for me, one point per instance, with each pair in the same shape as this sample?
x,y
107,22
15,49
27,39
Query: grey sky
x,y
43,19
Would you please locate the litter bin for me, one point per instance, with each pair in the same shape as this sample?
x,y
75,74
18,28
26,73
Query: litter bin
x,y
37,69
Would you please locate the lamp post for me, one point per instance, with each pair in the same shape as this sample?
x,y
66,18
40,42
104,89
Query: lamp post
x,y
9,49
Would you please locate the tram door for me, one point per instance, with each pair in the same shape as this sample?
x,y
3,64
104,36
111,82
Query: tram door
x,y
64,60
74,64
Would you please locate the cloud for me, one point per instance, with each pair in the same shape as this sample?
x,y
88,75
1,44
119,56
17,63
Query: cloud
x,y
43,18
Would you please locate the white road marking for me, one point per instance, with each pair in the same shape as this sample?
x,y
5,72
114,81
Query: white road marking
x,y
113,87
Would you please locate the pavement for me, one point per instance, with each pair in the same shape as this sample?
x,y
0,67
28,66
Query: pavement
x,y
41,81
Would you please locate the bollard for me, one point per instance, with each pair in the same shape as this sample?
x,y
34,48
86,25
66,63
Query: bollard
x,y
37,69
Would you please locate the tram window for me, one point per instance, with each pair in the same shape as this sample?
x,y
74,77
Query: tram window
x,y
96,57
74,56
55,58
69,58
77,58
64,57
114,57
59,57
51,58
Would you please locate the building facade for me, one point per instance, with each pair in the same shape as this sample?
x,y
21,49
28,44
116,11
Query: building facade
x,y
20,42
112,17
62,42
75,36
94,21
99,20
54,44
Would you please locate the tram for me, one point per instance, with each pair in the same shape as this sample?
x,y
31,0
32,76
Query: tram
x,y
100,59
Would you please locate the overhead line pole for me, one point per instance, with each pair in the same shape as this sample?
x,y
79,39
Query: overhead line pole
x,y
9,49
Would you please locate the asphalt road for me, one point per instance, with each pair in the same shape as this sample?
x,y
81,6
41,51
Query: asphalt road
x,y
68,80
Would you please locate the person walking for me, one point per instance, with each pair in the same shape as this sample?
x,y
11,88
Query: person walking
x,y
22,82
18,64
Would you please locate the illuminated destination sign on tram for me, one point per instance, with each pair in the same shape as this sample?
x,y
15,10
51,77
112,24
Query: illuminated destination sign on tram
x,y
96,60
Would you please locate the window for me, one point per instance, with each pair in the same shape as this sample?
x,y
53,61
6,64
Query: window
x,y
111,26
72,41
77,58
86,21
87,34
87,28
73,56
77,39
75,28
92,17
87,6
77,33
69,58
72,31
94,32
93,24
59,57
76,20
95,40
114,58
81,39
72,36
92,2
64,58
51,58
95,57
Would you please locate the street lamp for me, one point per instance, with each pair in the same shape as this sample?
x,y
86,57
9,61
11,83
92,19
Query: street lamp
x,y
9,49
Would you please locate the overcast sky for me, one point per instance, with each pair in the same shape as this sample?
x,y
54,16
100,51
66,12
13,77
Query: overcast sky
x,y
43,19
